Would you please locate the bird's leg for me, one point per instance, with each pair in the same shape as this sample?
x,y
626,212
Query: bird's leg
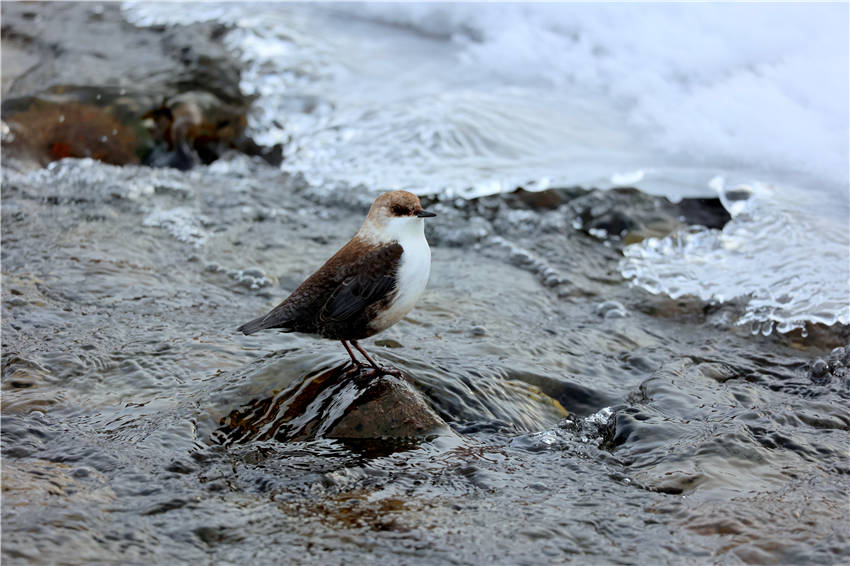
x,y
350,353
391,371
365,355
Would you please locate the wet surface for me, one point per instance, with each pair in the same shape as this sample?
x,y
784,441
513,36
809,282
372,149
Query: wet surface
x,y
687,437
588,420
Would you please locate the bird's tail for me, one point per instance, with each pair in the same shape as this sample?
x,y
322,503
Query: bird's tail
x,y
253,326
279,317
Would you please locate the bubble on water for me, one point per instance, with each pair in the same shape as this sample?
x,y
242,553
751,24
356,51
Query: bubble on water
x,y
600,417
182,223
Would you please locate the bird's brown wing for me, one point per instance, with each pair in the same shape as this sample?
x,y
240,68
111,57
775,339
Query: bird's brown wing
x,y
355,295
337,294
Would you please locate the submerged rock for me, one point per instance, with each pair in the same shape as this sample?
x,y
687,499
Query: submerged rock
x,y
344,402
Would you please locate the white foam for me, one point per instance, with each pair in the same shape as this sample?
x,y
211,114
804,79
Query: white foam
x,y
181,222
763,87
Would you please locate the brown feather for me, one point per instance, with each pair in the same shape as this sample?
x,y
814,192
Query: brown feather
x,y
340,299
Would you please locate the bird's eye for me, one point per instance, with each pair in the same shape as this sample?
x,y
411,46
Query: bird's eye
x,y
400,210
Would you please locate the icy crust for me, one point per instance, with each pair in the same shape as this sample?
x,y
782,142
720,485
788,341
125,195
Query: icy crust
x,y
182,223
90,180
789,267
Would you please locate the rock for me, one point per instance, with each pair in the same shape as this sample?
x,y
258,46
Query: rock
x,y
547,199
163,97
708,212
49,129
389,407
344,402
114,53
634,216
819,368
611,309
194,127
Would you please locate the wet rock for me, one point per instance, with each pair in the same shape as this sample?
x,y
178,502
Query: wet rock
x,y
818,336
819,368
621,212
389,407
180,467
633,216
196,127
165,97
548,199
45,130
834,365
457,231
611,309
708,212
345,402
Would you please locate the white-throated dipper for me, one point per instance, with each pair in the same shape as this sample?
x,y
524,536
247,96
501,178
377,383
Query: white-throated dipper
x,y
368,285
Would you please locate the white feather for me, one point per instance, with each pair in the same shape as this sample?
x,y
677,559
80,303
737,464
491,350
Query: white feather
x,y
413,270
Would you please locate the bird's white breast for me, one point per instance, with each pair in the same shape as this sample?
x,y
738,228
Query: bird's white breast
x,y
411,278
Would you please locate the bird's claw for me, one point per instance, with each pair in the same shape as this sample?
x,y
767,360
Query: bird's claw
x,y
368,370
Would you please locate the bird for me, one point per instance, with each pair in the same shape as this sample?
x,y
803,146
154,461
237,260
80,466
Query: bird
x,y
370,284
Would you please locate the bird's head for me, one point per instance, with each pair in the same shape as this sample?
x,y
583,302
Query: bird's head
x,y
395,216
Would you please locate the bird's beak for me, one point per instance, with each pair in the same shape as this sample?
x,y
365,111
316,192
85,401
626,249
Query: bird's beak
x,y
425,214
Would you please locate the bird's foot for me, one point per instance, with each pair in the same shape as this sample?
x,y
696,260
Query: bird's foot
x,y
391,371
368,370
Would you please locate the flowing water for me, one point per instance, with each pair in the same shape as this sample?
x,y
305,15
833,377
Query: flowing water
x,y
590,420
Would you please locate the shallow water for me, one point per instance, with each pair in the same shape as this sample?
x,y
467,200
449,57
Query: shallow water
x,y
687,438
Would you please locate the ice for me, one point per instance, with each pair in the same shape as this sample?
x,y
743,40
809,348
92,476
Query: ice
x,y
788,265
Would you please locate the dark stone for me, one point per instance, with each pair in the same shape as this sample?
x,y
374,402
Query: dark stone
x,y
549,199
819,368
194,127
633,215
708,212
180,467
389,407
345,402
